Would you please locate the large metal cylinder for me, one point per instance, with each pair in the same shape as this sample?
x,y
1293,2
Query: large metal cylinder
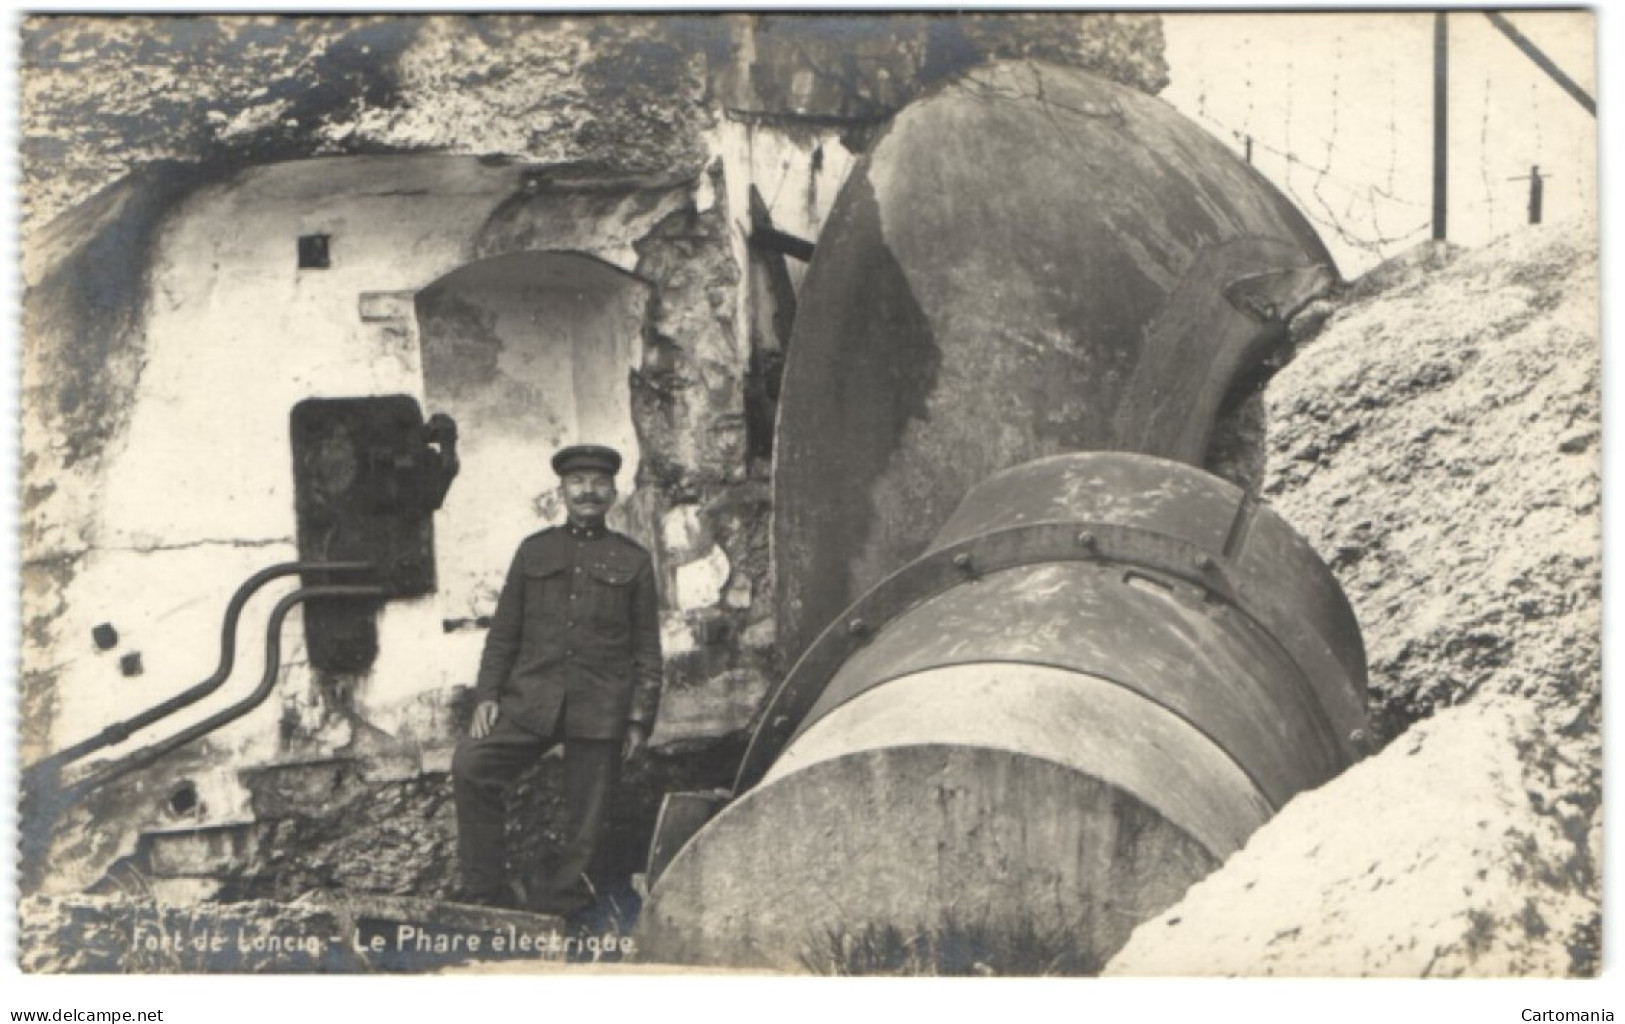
x,y
1029,261
1104,674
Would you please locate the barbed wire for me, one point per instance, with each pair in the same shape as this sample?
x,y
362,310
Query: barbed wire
x,y
1360,174
1534,111
1393,119
1352,198
1484,147
1325,169
1287,122
1320,211
1247,120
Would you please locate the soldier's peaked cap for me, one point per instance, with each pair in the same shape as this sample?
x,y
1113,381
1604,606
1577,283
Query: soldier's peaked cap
x,y
587,456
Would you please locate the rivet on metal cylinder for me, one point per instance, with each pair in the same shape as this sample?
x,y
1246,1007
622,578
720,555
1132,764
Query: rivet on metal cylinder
x,y
1204,561
963,563
1086,540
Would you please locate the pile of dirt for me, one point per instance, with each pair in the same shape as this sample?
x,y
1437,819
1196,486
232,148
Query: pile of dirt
x,y
1437,441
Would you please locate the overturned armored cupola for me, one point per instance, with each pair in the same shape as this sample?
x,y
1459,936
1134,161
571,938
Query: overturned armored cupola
x,y
1030,260
1047,671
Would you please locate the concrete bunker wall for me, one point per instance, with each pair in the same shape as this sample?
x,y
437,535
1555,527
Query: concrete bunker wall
x,y
527,352
536,316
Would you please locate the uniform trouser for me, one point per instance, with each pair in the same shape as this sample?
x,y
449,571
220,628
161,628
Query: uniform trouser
x,y
482,768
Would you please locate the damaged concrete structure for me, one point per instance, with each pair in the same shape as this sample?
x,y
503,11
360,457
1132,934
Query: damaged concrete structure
x,y
548,228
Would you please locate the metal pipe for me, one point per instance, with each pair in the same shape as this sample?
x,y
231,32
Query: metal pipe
x,y
118,732
273,663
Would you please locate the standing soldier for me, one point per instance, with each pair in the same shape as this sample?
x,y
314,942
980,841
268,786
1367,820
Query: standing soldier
x,y
573,657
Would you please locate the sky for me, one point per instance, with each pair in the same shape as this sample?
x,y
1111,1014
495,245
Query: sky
x,y
1340,109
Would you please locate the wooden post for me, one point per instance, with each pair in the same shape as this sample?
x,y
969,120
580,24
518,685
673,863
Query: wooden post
x,y
1441,122
1537,190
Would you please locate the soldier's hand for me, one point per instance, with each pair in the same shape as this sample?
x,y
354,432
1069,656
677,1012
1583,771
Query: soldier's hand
x,y
485,716
637,739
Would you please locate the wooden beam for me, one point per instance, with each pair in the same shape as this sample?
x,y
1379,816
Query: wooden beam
x,y
1543,62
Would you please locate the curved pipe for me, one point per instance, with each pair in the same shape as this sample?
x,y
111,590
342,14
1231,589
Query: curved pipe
x,y
273,663
118,732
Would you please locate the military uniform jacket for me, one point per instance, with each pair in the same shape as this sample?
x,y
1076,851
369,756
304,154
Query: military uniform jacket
x,y
577,627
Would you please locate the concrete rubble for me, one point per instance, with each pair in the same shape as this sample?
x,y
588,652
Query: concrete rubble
x,y
1437,440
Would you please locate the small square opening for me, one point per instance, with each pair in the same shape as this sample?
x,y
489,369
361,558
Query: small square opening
x,y
313,252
